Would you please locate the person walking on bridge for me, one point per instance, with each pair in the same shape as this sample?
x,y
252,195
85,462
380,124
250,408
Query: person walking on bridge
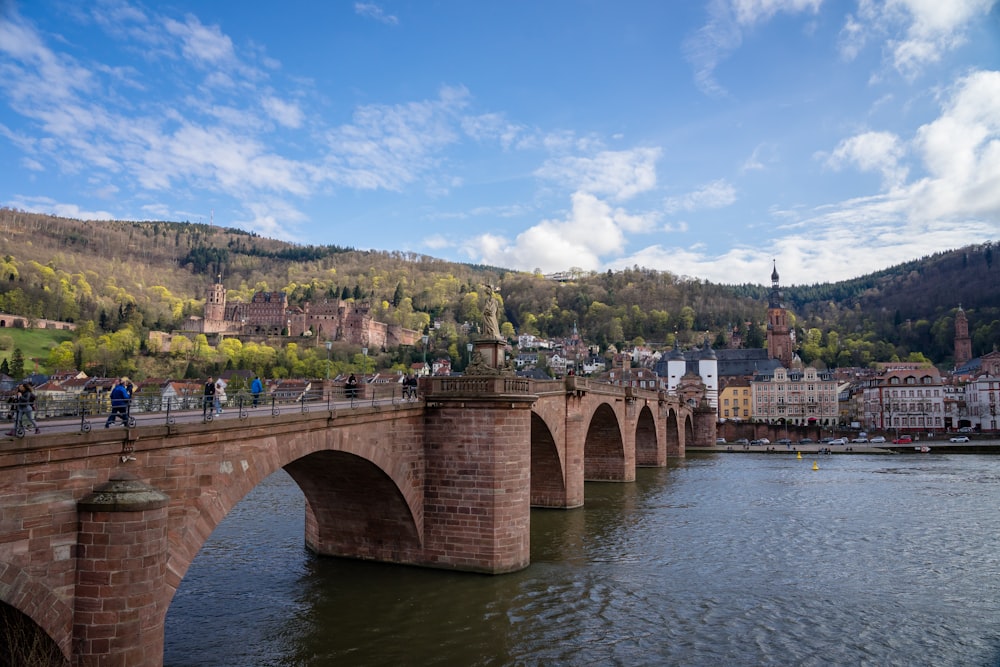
x,y
24,407
256,389
209,398
220,396
119,403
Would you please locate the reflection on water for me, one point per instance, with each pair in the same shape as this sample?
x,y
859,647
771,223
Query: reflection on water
x,y
719,560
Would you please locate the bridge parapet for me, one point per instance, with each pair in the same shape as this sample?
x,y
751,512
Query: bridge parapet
x,y
473,385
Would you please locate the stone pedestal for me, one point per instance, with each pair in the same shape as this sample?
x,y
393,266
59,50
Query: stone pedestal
x,y
491,351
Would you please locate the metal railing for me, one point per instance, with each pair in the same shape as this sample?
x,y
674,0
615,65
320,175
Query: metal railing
x,y
87,409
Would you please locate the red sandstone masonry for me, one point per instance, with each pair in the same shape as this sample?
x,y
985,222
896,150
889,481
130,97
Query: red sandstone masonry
x,y
59,566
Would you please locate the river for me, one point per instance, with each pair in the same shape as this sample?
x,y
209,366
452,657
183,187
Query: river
x,y
719,559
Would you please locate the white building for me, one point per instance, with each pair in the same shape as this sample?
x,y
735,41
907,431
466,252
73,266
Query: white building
x,y
795,396
982,400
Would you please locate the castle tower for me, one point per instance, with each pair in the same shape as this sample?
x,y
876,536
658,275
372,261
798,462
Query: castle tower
x,y
963,342
708,369
779,337
676,367
215,302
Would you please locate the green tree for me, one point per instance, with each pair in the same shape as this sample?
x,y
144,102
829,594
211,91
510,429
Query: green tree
x,y
17,364
61,357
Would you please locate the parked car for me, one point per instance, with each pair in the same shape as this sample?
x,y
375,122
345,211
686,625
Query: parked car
x,y
861,440
878,439
806,441
959,438
838,441
903,440
783,441
965,429
742,441
720,441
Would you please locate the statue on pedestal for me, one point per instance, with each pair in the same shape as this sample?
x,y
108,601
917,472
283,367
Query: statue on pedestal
x,y
491,323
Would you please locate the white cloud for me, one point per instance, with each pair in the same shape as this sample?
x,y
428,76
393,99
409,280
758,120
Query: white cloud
x,y
591,230
961,150
717,194
201,44
387,147
618,174
437,242
749,12
955,204
916,32
493,127
286,113
52,207
872,151
372,10
723,33
275,219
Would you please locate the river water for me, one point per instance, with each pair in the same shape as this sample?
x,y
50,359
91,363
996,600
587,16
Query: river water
x,y
719,559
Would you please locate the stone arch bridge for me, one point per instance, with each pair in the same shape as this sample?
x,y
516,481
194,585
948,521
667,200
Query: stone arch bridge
x,y
99,528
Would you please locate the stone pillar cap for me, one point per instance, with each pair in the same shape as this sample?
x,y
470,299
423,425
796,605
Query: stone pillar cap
x,y
123,492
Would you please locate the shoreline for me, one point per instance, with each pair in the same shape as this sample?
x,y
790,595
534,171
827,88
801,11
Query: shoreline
x,y
817,449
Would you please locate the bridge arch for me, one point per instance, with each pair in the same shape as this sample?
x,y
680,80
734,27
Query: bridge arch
x,y
548,472
31,609
354,508
672,431
604,447
647,444
329,469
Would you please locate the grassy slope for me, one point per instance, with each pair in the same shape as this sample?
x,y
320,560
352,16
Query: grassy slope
x,y
34,344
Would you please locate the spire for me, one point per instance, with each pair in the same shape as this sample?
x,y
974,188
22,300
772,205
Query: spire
x,y
774,301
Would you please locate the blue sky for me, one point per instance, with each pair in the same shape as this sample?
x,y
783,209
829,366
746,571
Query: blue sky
x,y
700,138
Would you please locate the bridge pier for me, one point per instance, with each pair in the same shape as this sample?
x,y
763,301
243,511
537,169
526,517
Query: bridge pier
x,y
477,485
121,566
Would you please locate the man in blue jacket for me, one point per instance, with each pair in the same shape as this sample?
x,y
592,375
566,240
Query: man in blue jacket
x,y
256,389
119,404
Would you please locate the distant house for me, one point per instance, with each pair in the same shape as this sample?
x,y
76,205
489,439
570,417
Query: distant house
x,y
290,390
441,367
181,395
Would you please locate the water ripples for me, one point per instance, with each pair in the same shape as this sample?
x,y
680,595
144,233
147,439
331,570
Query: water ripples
x,y
720,560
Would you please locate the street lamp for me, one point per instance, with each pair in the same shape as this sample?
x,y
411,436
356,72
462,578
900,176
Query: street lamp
x,y
289,328
468,347
329,344
425,338
364,368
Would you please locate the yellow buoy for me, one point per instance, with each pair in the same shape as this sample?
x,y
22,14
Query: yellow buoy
x,y
815,466
798,455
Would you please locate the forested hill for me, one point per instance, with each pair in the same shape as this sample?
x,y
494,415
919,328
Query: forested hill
x,y
150,275
914,289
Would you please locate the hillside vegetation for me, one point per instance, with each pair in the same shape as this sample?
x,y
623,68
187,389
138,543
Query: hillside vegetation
x,y
139,276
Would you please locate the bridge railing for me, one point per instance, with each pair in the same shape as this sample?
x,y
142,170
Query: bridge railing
x,y
149,408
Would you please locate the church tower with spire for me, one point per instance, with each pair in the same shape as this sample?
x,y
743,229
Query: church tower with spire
x,y
779,336
963,342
